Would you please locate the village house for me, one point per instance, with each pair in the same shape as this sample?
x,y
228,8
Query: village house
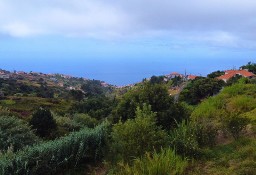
x,y
232,73
191,77
174,74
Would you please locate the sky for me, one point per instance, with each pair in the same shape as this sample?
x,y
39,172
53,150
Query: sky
x,y
122,42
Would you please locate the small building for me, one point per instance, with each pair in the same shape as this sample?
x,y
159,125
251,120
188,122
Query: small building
x,y
191,77
174,75
232,73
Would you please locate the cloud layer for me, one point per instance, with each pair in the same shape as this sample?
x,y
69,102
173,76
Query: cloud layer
x,y
218,22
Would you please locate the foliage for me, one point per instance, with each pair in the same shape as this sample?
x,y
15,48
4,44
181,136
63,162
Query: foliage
x,y
15,134
235,124
199,89
84,120
156,79
92,88
155,95
98,107
51,156
250,66
233,80
136,136
236,158
42,121
77,95
215,74
184,139
165,162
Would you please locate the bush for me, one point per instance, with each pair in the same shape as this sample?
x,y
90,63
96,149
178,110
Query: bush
x,y
51,156
15,134
136,136
42,121
184,140
84,120
165,162
235,124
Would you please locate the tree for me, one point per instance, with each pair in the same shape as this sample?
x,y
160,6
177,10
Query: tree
x,y
215,74
15,134
199,89
250,66
42,121
77,95
136,136
92,88
155,95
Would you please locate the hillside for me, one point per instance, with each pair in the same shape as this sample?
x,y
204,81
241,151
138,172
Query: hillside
x,y
162,125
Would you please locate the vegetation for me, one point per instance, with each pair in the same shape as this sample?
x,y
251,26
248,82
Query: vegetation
x,y
136,136
42,121
165,162
205,127
15,134
199,89
52,156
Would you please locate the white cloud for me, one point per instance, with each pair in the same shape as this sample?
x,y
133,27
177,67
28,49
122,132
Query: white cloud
x,y
223,22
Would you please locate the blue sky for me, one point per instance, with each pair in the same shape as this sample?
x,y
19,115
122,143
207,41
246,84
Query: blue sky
x,y
122,42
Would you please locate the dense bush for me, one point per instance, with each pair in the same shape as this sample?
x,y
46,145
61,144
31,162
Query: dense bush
x,y
235,124
184,140
199,89
155,95
42,121
15,134
136,136
165,162
51,156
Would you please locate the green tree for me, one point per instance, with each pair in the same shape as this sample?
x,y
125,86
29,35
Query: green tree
x,y
15,134
215,74
136,136
199,89
250,66
42,121
155,95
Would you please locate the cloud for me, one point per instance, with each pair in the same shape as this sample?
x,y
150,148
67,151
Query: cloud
x,y
219,22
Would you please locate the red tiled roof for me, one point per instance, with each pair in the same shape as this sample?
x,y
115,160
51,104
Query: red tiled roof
x,y
231,73
192,77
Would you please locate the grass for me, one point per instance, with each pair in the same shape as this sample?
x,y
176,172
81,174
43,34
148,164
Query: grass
x,y
236,158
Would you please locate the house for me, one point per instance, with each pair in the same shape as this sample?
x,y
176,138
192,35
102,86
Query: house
x,y
174,74
191,77
232,73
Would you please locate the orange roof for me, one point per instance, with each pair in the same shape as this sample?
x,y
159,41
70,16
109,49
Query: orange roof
x,y
175,73
192,77
231,73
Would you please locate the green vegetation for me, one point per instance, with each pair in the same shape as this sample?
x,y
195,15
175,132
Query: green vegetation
x,y
52,156
87,127
42,121
15,134
199,89
165,162
136,136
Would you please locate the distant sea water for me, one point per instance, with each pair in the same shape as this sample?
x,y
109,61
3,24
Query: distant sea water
x,y
123,71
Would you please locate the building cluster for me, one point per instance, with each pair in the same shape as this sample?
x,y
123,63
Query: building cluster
x,y
184,77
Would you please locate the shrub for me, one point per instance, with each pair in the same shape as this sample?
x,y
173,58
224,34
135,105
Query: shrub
x,y
235,124
15,134
165,162
84,120
136,136
51,156
184,140
42,121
